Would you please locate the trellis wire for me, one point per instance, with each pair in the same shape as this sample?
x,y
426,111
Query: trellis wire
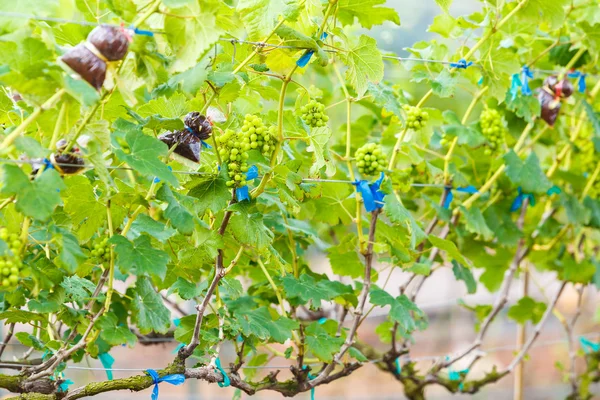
x,y
488,351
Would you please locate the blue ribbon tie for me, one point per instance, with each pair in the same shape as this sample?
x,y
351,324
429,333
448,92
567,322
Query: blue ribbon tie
x,y
322,320
456,375
310,377
226,381
461,64
553,190
515,84
305,58
372,196
242,194
518,201
588,346
107,362
174,379
142,32
398,366
581,86
450,196
179,347
526,75
64,386
47,164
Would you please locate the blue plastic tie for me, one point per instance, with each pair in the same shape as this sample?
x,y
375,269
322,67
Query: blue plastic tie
x,y
310,377
107,362
515,84
174,379
47,164
398,366
64,386
142,32
179,347
226,381
450,196
588,346
157,179
456,375
176,321
461,64
372,196
480,81
518,201
526,75
581,86
322,320
242,193
553,190
305,58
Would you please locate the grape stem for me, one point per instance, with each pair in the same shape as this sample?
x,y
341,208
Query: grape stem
x,y
111,264
273,286
20,130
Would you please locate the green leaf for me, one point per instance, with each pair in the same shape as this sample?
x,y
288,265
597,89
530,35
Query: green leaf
x,y
36,199
384,96
444,5
364,62
145,224
259,16
179,215
505,230
321,343
527,309
475,223
48,302
204,250
593,117
306,289
86,212
149,312
31,147
367,12
528,174
70,255
464,274
113,333
577,272
402,309
250,229
550,12
357,354
399,215
212,193
185,289
450,248
78,289
260,323
20,317
144,154
481,311
345,261
140,257
444,84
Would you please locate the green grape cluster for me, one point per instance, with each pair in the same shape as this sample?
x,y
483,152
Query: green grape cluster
x,y
259,136
314,114
493,129
370,159
10,264
101,250
415,117
233,149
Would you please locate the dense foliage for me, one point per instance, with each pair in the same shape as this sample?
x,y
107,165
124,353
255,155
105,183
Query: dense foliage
x,y
192,174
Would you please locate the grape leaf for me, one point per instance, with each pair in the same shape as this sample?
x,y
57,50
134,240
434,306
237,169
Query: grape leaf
x,y
212,193
78,289
180,216
528,174
20,317
321,343
444,5
450,248
145,224
36,199
527,309
139,256
464,274
143,156
345,261
401,308
260,323
364,62
251,230
367,12
475,223
86,212
149,312
113,333
259,16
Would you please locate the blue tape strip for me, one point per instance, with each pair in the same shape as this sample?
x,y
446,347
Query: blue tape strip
x,y
107,362
310,377
581,85
47,164
175,379
143,32
526,75
305,58
518,201
371,193
515,84
450,196
553,190
242,193
322,320
461,64
64,386
398,366
588,346
226,381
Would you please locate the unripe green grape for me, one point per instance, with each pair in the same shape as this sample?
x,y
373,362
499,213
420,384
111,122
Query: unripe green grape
x,y
492,126
370,159
10,263
313,114
416,118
